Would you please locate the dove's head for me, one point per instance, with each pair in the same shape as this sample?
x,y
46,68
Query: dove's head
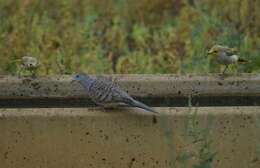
x,y
80,77
85,80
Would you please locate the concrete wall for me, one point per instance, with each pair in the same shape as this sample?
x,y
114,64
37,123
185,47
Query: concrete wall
x,y
220,137
223,134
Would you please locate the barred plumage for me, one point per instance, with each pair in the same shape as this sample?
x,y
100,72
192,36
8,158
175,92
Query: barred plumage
x,y
105,93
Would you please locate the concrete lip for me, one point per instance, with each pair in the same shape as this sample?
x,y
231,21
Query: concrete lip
x,y
154,90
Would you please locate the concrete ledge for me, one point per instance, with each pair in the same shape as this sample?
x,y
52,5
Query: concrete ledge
x,y
222,137
136,85
154,90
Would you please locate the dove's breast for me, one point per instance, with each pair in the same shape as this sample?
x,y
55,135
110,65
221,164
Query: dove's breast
x,y
101,92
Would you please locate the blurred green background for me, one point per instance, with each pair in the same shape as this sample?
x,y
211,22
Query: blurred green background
x,y
120,36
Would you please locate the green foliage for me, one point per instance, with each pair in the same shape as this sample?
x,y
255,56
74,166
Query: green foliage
x,y
199,153
120,36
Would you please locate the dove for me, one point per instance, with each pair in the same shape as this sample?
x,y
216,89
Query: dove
x,y
107,94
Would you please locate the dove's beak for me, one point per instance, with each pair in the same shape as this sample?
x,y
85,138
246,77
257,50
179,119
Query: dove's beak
x,y
73,81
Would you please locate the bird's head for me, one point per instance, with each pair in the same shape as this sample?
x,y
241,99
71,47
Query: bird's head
x,y
84,80
80,77
215,50
29,62
218,49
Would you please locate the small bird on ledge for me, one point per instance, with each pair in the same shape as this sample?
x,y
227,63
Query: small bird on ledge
x,y
226,56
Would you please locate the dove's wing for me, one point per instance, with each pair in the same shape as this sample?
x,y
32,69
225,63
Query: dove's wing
x,y
100,91
107,94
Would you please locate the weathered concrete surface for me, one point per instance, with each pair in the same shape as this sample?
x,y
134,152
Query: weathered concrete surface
x,y
220,137
136,85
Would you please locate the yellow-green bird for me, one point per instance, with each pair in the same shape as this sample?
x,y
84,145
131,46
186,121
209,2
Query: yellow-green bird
x,y
226,55
29,63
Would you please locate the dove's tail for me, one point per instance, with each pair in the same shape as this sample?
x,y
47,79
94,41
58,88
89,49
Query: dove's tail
x,y
242,60
138,104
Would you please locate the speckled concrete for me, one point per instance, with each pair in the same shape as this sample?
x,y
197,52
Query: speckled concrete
x,y
136,85
217,137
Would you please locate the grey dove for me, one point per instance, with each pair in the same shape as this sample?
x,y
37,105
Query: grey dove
x,y
106,94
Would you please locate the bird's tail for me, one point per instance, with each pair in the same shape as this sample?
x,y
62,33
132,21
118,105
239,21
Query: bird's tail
x,y
138,104
242,60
